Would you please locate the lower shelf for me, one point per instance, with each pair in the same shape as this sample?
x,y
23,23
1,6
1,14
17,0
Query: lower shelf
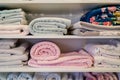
x,y
57,69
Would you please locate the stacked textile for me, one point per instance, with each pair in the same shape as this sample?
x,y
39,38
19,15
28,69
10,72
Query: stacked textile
x,y
13,22
49,54
105,55
100,21
12,54
100,76
49,25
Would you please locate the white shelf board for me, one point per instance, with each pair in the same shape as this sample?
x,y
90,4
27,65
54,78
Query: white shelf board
x,y
58,37
57,69
60,1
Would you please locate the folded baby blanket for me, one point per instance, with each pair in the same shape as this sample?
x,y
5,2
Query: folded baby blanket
x,y
45,51
49,25
14,30
25,76
81,59
104,55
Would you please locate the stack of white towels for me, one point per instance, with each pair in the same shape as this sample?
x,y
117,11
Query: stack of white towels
x,y
11,54
105,55
13,22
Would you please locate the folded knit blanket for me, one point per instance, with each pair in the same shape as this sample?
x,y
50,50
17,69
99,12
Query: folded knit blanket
x,y
7,44
3,75
49,25
45,51
13,30
25,76
81,59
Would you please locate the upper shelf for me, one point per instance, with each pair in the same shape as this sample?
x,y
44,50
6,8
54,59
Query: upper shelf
x,y
60,1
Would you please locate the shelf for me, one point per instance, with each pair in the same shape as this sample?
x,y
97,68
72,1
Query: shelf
x,y
58,37
59,1
57,69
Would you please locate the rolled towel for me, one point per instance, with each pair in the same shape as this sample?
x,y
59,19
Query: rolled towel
x,y
54,76
50,25
25,76
40,75
3,75
64,76
7,44
89,76
45,51
118,76
13,30
12,76
81,59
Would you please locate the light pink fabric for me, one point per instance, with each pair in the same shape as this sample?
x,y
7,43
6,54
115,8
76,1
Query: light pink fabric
x,y
14,30
81,59
45,51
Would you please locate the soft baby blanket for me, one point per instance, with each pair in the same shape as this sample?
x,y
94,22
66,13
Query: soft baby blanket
x,y
45,51
13,30
81,59
25,76
49,25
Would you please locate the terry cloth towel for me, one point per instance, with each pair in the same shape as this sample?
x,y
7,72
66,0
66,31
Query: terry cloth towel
x,y
8,43
45,51
118,76
77,76
14,30
15,51
12,16
64,76
12,76
25,76
49,25
3,75
81,59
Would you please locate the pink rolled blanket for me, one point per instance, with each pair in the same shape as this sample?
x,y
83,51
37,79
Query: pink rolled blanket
x,y
45,51
81,59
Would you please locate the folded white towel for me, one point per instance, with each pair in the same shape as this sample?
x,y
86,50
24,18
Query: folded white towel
x,y
8,43
15,51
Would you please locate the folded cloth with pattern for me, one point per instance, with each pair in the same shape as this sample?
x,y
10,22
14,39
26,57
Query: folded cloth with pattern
x,y
48,54
97,21
105,55
49,25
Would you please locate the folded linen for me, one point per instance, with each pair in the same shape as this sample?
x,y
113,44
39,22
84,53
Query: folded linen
x,y
14,30
45,51
81,59
49,24
15,51
25,76
7,44
12,76
3,75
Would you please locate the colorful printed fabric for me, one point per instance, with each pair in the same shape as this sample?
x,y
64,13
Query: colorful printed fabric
x,y
103,16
